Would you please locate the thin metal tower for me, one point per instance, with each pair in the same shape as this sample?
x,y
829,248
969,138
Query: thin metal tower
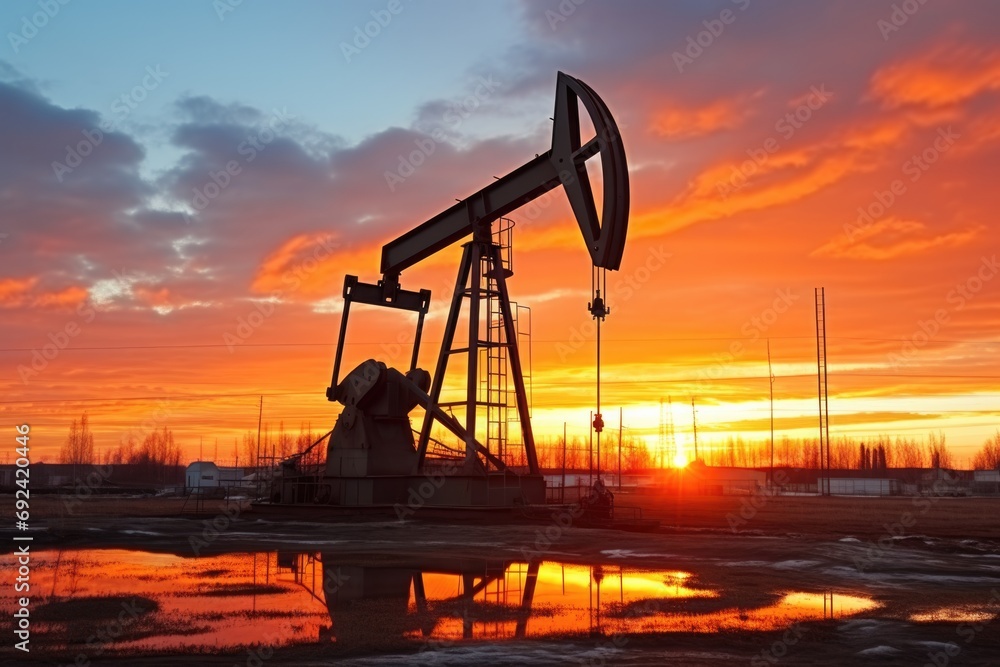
x,y
770,374
821,379
663,434
668,436
671,435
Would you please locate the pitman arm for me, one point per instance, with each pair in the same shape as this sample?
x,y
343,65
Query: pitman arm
x,y
564,164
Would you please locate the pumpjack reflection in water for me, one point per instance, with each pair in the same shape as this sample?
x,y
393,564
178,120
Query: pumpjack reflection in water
x,y
399,600
371,604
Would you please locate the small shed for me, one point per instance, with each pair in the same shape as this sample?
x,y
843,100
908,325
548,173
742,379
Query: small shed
x,y
202,474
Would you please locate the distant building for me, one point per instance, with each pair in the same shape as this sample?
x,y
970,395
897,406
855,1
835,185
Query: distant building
x,y
206,474
719,480
860,486
108,477
986,476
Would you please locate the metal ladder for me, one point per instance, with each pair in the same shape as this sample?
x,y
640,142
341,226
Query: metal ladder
x,y
495,383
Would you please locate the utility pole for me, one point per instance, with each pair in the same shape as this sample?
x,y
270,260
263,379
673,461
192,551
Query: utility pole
x,y
694,423
823,389
260,415
663,435
590,453
620,411
563,492
770,374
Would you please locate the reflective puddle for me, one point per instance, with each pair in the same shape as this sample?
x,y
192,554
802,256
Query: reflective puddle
x,y
963,614
133,600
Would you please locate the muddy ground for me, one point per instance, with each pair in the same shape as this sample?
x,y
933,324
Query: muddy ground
x,y
936,557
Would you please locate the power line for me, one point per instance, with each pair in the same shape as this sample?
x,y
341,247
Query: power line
x,y
543,384
116,348
161,398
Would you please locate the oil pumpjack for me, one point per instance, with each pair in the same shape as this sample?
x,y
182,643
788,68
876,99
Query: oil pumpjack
x,y
372,458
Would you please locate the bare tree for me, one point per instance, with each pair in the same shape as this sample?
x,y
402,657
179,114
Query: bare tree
x,y
79,445
938,450
988,458
908,454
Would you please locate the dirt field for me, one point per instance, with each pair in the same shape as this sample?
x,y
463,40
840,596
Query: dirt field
x,y
932,565
940,517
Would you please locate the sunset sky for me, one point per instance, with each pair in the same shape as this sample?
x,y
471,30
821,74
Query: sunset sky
x,y
773,147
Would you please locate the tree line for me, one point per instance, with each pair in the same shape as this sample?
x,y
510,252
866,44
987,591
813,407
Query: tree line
x,y
157,449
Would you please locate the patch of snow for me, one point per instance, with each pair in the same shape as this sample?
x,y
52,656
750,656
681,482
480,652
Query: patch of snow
x,y
628,553
794,564
747,563
879,650
937,646
863,626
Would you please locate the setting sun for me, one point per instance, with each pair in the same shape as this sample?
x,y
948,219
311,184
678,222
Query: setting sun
x,y
680,460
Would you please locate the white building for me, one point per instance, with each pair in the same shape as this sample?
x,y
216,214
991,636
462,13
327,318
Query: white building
x,y
859,486
205,474
201,474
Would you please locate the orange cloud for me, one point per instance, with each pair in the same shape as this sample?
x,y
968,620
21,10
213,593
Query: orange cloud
x,y
153,297
891,238
719,115
18,292
307,264
13,291
67,298
943,77
786,176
